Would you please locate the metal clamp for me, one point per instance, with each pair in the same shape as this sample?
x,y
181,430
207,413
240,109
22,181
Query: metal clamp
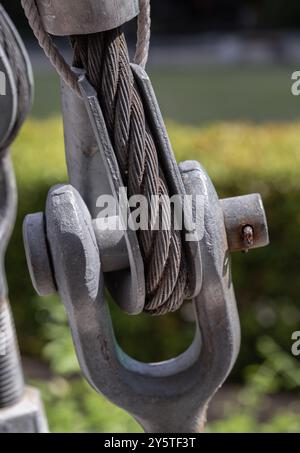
x,y
66,253
65,18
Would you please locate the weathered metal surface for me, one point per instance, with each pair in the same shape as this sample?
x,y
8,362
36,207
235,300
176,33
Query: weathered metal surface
x,y
27,416
243,212
248,237
179,389
69,17
112,248
68,220
93,170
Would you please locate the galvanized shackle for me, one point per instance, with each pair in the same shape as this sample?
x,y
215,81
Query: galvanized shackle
x,y
64,253
165,397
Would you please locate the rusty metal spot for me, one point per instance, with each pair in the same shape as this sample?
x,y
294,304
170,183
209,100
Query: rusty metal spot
x,y
90,151
248,237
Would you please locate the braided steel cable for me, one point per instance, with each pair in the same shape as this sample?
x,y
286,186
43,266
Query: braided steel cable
x,y
105,58
57,60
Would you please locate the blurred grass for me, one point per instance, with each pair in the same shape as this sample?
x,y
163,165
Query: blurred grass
x,y
196,95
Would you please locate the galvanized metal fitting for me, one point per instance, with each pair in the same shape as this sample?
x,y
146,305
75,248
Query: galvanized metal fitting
x,y
244,217
38,256
179,389
75,256
69,17
72,259
245,222
65,203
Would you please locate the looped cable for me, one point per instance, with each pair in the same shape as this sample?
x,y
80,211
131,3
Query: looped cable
x,y
46,43
143,34
105,58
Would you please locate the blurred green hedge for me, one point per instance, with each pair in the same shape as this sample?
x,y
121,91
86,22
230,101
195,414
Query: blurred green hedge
x,y
241,159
